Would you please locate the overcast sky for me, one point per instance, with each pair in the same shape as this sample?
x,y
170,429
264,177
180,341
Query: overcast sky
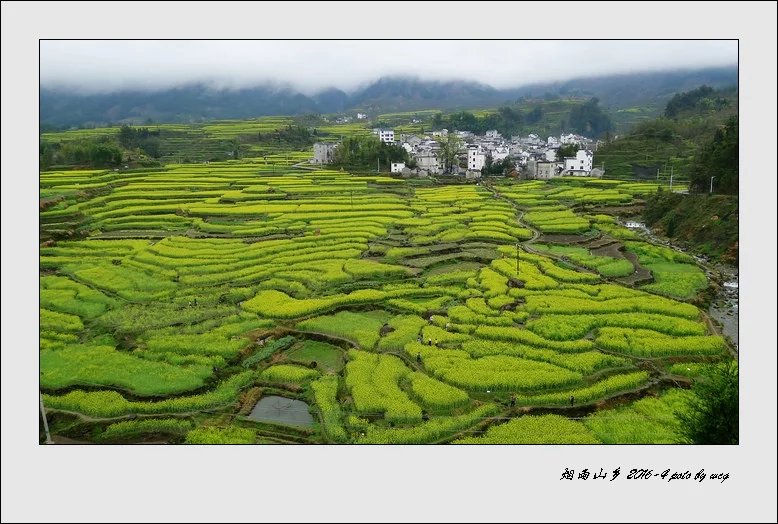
x,y
100,66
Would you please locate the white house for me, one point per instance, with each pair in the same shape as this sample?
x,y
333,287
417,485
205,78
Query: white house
x,y
414,141
500,153
476,159
581,164
407,147
361,116
397,167
427,161
385,135
492,133
569,138
543,170
548,170
523,157
323,153
550,155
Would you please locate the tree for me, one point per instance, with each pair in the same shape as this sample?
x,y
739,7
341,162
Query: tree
x,y
488,162
498,167
99,152
688,100
365,152
127,136
449,151
141,138
534,116
718,158
566,151
589,120
507,120
712,416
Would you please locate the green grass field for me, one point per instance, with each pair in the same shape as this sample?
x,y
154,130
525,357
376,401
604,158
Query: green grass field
x,y
195,289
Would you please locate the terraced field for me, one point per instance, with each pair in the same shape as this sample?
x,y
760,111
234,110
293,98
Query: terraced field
x,y
172,300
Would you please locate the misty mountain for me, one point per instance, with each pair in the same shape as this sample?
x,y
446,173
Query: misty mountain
x,y
404,94
624,90
333,99
60,108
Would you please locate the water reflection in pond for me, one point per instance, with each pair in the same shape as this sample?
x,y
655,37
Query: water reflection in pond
x,y
281,410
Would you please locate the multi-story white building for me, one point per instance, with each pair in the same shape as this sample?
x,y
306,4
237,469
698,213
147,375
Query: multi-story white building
x,y
581,164
428,161
543,170
476,158
547,170
385,135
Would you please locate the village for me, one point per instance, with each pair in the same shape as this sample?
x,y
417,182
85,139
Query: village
x,y
529,157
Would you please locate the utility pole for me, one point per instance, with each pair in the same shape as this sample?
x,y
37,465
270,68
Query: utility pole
x,y
711,184
352,200
378,165
517,260
671,179
45,422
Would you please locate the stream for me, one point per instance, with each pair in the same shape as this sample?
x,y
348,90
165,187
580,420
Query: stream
x,y
724,308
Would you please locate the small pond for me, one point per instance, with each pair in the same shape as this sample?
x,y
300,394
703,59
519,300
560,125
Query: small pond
x,y
281,410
